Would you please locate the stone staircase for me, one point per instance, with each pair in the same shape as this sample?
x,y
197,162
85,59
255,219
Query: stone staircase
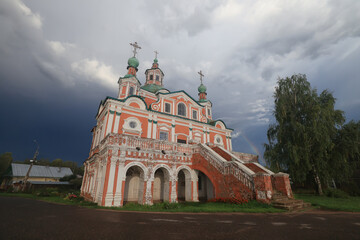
x,y
283,202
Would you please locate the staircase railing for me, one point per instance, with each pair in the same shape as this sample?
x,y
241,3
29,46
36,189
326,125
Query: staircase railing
x,y
234,168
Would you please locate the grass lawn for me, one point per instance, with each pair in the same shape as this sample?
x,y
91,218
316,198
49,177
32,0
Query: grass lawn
x,y
350,204
250,207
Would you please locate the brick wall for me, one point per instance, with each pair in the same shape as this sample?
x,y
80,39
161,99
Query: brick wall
x,y
225,186
222,153
281,183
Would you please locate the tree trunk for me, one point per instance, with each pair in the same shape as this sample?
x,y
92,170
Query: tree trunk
x,y
317,181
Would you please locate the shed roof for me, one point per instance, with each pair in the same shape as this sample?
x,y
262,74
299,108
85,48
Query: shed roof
x,y
20,170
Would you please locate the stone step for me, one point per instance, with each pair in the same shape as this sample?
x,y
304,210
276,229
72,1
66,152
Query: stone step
x,y
291,204
279,197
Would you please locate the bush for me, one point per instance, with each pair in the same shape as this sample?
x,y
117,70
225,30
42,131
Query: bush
x,y
168,205
352,189
335,193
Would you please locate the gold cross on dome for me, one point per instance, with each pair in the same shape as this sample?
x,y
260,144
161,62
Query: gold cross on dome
x,y
135,46
156,53
201,75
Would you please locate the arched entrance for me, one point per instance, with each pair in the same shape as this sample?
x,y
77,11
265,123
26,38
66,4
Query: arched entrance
x,y
184,185
134,185
205,187
161,186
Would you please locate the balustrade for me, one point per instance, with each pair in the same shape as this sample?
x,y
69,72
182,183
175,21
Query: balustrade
x,y
147,144
226,167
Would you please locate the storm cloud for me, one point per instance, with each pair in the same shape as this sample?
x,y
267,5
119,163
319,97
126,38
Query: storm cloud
x,y
59,59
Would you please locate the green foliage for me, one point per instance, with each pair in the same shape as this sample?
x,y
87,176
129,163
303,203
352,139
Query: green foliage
x,y
335,193
309,138
5,161
350,204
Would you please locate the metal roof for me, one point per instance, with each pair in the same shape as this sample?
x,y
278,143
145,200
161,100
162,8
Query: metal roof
x,y
20,170
48,183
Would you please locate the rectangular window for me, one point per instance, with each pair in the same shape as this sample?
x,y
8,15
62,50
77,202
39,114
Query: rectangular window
x,y
181,141
157,77
194,115
164,136
209,112
167,107
151,77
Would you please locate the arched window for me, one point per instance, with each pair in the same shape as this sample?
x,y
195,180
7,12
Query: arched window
x,y
131,91
181,109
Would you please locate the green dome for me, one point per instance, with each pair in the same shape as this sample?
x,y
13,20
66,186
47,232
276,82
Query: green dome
x,y
133,62
202,88
155,60
152,88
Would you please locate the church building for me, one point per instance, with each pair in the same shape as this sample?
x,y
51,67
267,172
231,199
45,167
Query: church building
x,y
152,145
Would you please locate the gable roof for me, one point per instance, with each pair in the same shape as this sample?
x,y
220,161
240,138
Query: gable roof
x,y
20,170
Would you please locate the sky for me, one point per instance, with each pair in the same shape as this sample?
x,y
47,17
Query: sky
x,y
59,59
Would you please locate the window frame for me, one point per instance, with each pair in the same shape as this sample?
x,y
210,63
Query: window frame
x,y
162,133
167,104
178,109
131,90
194,116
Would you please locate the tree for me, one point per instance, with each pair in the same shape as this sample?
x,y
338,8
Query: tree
x,y
5,161
302,139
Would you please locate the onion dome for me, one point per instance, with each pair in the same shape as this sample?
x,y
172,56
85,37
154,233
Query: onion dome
x,y
202,88
152,87
133,62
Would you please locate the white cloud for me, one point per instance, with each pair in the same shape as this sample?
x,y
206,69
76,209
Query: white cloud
x,y
33,18
241,47
236,134
96,71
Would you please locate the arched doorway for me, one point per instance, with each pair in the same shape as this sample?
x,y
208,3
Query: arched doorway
x,y
205,188
184,185
161,186
134,185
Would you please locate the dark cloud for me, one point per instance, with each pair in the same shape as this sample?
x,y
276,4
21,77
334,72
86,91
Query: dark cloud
x,y
59,60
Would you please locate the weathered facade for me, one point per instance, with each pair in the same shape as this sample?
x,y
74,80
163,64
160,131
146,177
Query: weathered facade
x,y
152,145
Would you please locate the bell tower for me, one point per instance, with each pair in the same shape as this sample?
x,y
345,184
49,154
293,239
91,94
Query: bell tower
x,y
202,97
129,84
154,76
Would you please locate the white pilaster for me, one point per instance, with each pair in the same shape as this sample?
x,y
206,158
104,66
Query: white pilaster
x,y
173,130
117,120
109,123
149,128
109,194
118,192
190,132
154,129
207,135
148,193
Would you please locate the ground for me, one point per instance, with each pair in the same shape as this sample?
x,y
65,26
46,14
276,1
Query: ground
x,y
31,219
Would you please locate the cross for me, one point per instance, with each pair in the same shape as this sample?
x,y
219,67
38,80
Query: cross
x,y
156,53
201,76
135,45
